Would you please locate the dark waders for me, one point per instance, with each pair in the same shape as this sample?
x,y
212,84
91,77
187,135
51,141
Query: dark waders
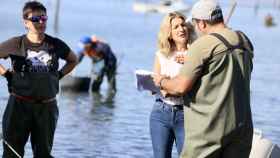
x,y
24,118
97,78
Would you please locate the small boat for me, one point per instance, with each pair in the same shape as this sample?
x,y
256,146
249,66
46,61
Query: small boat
x,y
164,7
75,83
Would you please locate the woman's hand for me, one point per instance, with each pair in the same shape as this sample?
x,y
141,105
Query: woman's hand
x,y
157,78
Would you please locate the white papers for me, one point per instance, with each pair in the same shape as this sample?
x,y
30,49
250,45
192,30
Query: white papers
x,y
144,81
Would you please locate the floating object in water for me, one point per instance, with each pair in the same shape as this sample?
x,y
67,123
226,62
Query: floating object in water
x,y
269,21
75,83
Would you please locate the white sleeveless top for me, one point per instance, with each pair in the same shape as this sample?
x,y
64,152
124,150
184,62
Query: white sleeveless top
x,y
169,67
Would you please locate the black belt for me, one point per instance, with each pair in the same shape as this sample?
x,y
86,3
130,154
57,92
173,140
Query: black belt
x,y
32,99
174,107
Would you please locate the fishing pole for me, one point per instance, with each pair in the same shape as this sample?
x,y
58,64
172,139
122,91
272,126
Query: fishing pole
x,y
9,146
233,6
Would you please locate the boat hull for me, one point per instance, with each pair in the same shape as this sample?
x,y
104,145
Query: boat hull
x,y
75,83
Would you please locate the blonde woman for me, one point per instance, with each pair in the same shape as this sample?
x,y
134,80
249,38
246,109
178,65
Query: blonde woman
x,y
167,120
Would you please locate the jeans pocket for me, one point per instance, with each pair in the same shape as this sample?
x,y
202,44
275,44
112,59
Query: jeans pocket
x,y
157,110
159,114
158,106
180,115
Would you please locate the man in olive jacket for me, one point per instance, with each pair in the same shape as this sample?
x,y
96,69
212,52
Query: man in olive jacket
x,y
215,82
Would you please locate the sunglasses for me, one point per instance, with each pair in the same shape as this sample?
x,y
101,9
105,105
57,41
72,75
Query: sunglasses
x,y
37,19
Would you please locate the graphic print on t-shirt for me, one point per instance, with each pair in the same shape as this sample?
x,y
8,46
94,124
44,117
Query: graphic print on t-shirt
x,y
40,61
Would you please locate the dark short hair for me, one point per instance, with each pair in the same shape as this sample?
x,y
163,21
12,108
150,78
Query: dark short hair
x,y
32,6
216,17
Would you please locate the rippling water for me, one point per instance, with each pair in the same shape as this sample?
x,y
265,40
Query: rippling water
x,y
91,125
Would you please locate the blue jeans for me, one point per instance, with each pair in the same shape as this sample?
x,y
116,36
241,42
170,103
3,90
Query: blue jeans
x,y
166,126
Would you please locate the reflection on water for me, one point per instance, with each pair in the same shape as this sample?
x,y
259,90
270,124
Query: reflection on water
x,y
100,100
101,106
101,126
96,98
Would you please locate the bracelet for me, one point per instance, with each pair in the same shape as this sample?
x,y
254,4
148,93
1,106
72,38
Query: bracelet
x,y
160,82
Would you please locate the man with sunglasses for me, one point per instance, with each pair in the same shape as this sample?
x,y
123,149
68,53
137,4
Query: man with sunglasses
x,y
33,84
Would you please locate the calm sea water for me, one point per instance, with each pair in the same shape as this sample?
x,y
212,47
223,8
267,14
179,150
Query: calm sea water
x,y
91,125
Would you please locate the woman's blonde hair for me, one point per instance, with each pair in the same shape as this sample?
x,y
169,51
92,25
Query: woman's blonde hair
x,y
165,42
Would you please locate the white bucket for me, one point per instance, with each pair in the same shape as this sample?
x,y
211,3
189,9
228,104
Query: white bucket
x,y
263,148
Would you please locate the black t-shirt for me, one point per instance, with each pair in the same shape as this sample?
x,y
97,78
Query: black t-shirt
x,y
41,56
35,65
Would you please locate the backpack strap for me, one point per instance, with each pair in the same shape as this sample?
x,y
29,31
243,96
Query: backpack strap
x,y
223,40
227,44
241,43
240,33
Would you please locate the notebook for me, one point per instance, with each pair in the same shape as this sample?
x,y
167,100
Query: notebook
x,y
144,81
